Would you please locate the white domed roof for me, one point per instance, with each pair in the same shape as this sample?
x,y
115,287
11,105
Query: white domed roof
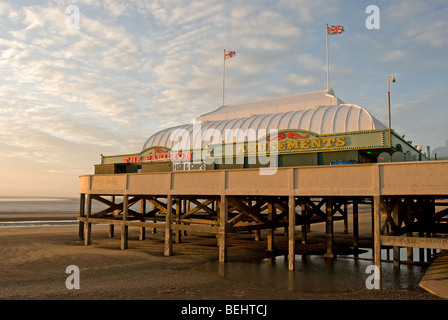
x,y
299,112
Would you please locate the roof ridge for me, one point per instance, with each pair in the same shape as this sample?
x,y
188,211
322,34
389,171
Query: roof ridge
x,y
273,105
278,98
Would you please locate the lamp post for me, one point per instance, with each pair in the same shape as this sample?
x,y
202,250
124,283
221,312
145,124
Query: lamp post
x,y
388,102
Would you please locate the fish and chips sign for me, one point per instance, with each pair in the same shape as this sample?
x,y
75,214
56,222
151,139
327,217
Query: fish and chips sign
x,y
189,166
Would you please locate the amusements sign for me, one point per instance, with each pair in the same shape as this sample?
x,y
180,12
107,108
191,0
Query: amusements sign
x,y
296,141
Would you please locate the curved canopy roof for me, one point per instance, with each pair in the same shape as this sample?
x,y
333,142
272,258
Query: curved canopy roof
x,y
297,112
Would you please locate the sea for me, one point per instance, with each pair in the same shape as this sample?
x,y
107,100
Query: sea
x,y
28,211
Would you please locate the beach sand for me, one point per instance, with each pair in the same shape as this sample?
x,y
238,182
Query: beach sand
x,y
34,259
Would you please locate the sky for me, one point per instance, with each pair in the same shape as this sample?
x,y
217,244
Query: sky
x,y
71,91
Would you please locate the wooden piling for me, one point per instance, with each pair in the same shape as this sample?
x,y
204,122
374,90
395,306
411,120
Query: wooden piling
x,y
178,215
270,236
142,212
304,213
111,226
88,225
345,217
396,254
396,217
168,230
377,234
329,230
355,226
82,204
291,229
222,233
124,227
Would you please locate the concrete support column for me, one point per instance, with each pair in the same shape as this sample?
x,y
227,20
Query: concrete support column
x,y
168,232
292,233
124,227
222,235
88,225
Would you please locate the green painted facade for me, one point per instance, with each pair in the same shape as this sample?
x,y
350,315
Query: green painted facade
x,y
283,148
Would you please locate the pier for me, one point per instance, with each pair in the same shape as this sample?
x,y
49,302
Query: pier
x,y
407,199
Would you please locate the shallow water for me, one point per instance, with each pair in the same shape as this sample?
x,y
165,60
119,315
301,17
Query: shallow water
x,y
314,273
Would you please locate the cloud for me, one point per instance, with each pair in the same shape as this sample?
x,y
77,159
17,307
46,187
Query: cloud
x,y
423,21
189,76
73,67
310,62
299,80
308,11
68,96
278,90
394,55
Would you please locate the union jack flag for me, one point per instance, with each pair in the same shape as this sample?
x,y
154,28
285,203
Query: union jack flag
x,y
334,30
229,54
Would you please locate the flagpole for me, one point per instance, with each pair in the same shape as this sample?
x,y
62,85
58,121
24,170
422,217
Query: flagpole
x,y
328,66
223,75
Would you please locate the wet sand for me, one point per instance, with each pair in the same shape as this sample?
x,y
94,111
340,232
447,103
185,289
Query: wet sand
x,y
34,260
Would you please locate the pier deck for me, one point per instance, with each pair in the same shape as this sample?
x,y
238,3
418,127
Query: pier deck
x,y
407,201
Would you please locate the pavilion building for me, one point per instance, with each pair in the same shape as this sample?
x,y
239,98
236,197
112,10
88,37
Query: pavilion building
x,y
308,129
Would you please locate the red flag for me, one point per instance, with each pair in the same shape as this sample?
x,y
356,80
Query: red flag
x,y
229,54
334,30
